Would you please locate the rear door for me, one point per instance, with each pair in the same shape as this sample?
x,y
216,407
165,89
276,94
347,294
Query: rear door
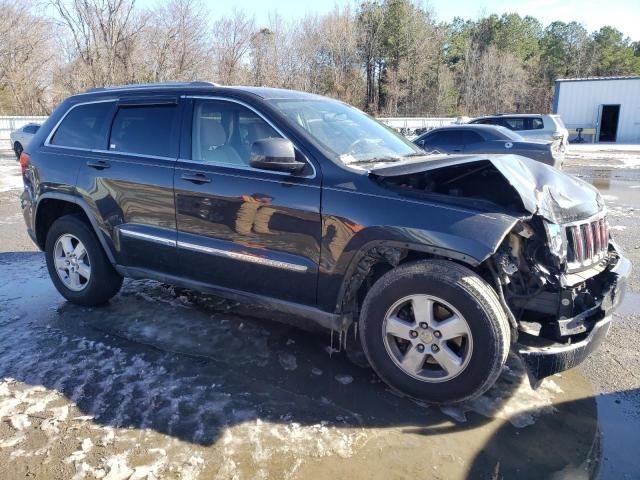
x,y
128,181
238,227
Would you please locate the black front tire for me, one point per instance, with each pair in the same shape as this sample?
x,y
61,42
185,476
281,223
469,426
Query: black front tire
x,y
104,282
470,295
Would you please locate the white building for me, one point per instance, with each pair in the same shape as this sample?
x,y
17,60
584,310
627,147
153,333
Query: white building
x,y
607,108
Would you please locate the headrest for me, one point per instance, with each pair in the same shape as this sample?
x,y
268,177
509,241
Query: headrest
x,y
212,132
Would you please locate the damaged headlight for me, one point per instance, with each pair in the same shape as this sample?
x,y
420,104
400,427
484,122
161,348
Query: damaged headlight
x,y
556,240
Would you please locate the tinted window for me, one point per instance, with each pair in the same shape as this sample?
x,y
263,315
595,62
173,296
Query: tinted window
x,y
223,132
146,130
31,128
444,138
84,126
468,137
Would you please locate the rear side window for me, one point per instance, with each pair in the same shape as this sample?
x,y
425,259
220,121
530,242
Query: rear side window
x,y
537,124
450,137
31,128
516,123
84,126
144,130
469,137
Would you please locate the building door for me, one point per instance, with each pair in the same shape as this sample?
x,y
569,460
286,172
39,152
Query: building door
x,y
608,123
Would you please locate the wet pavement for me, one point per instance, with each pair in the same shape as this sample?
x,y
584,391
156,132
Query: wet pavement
x,y
168,383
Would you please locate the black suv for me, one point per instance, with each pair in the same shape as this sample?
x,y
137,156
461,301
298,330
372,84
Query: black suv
x,y
309,207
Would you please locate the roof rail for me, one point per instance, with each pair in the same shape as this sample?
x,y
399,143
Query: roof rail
x,y
131,86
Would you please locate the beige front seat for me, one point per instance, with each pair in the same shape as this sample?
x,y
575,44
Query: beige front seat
x,y
212,144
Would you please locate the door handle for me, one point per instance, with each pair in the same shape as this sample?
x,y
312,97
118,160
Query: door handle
x,y
98,164
198,178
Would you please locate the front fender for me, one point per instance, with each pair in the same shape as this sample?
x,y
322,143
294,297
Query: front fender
x,y
446,231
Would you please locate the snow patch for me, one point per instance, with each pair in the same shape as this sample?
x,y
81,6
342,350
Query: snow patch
x,y
287,361
344,379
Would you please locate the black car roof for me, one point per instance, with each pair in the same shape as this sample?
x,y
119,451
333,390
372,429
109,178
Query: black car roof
x,y
198,87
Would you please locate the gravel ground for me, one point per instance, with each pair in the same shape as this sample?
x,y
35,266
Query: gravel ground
x,y
166,383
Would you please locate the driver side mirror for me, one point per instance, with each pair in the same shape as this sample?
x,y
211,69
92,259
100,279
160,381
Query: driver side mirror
x,y
275,154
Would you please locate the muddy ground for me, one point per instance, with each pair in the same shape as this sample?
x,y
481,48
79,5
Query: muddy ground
x,y
166,383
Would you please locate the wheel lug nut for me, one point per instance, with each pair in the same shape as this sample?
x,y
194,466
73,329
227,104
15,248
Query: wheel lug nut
x,y
420,348
413,334
424,325
437,334
435,348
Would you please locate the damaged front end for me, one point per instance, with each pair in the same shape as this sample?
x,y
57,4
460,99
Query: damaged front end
x,y
557,272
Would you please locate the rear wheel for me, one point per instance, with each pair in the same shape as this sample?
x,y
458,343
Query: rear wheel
x,y
435,330
77,264
17,149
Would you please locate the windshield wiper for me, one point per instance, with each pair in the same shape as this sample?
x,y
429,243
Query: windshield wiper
x,y
416,154
375,160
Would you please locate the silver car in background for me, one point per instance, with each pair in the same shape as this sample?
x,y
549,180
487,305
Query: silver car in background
x,y
472,139
531,126
21,137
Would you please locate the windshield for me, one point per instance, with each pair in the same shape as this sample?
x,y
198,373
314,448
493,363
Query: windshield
x,y
347,134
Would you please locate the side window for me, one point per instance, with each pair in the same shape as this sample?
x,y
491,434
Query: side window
x,y
30,129
450,137
537,123
515,123
434,139
469,137
84,126
223,132
145,130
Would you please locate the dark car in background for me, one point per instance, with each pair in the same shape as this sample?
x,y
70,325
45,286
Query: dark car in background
x,y
312,210
472,139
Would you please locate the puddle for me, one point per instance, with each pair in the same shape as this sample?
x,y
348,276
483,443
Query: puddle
x,y
224,395
619,421
630,304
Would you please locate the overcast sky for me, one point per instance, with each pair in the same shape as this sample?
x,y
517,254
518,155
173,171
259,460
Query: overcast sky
x,y
622,14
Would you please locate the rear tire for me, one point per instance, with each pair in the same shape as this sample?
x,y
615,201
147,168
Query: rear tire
x,y
77,264
453,349
17,149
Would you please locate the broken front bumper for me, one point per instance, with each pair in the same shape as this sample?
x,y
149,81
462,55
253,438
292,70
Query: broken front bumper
x,y
543,359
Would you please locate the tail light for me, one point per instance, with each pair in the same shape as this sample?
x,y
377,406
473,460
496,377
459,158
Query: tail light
x,y
24,159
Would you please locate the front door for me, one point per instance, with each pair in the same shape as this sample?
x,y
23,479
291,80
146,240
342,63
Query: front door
x,y
129,182
239,227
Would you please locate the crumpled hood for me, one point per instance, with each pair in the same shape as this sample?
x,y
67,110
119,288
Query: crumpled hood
x,y
545,191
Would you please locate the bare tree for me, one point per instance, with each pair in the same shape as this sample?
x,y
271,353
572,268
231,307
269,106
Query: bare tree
x,y
231,46
24,50
493,81
102,40
175,42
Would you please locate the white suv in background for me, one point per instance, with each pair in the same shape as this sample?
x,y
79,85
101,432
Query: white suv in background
x,y
21,137
531,126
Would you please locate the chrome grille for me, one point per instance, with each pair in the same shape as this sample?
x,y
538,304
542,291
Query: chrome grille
x,y
587,242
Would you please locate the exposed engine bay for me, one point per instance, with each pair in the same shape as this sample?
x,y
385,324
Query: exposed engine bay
x,y
551,269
